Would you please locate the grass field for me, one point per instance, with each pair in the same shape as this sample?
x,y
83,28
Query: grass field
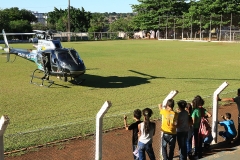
x,y
131,74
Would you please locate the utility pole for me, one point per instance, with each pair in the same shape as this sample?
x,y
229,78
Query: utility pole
x,y
69,30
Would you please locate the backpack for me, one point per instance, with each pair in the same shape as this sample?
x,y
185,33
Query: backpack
x,y
205,128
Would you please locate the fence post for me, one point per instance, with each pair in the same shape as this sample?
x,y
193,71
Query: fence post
x,y
99,121
215,111
3,125
169,96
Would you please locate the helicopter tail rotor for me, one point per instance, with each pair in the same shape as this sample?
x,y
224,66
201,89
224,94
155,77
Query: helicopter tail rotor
x,y
7,47
5,39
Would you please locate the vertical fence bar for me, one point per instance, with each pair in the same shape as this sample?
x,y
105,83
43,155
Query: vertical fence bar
x,y
210,30
215,111
231,28
182,26
99,122
3,126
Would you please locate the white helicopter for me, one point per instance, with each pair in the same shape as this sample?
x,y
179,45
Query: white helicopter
x,y
62,62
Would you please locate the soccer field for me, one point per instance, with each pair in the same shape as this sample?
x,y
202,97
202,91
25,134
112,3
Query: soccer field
x,y
129,73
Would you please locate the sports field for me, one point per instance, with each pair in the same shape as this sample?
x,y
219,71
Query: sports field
x,y
131,74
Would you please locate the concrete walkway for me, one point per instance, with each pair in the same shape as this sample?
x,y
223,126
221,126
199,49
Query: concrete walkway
x,y
228,154
224,151
221,151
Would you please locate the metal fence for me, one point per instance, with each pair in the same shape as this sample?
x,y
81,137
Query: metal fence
x,y
86,36
116,144
210,28
214,27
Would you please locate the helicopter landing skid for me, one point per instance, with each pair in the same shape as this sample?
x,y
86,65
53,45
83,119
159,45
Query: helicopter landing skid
x,y
42,80
77,81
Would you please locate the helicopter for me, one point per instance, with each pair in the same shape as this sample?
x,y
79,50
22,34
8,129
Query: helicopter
x,y
62,62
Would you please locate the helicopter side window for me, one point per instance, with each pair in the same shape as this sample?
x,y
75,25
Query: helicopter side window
x,y
39,59
54,58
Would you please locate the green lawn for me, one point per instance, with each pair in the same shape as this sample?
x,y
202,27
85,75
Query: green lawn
x,y
130,73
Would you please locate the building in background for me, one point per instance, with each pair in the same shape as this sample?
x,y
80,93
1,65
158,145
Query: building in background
x,y
41,17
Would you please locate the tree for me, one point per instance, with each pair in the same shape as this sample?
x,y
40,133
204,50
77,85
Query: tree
x,y
97,23
4,20
16,14
13,17
152,13
39,26
201,12
54,17
79,19
122,24
21,26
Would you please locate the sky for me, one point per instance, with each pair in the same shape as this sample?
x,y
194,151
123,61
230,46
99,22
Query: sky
x,y
44,6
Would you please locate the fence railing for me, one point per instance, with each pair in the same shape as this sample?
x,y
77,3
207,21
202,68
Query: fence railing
x,y
86,129
210,28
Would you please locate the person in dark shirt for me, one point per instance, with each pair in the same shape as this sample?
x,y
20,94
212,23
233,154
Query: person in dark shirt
x,y
46,66
134,127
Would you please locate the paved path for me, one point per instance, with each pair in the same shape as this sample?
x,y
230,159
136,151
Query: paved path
x,y
228,154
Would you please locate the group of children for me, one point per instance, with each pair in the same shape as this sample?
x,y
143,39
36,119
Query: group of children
x,y
181,126
143,132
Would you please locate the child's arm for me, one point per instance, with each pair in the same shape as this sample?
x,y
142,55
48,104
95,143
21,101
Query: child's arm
x,y
223,117
125,122
160,107
208,115
139,130
154,128
225,99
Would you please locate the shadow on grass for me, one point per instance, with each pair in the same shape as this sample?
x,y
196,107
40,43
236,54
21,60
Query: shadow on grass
x,y
222,79
116,81
128,81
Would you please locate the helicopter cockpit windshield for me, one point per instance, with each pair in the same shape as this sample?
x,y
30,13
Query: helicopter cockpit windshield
x,y
69,55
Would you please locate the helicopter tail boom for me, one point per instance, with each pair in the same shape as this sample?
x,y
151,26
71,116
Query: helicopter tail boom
x,y
24,53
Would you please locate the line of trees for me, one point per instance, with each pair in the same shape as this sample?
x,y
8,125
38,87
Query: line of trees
x,y
147,15
15,20
151,12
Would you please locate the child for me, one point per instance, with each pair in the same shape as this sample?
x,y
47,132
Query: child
x,y
237,101
198,112
182,129
190,131
208,140
134,127
169,123
146,133
230,130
